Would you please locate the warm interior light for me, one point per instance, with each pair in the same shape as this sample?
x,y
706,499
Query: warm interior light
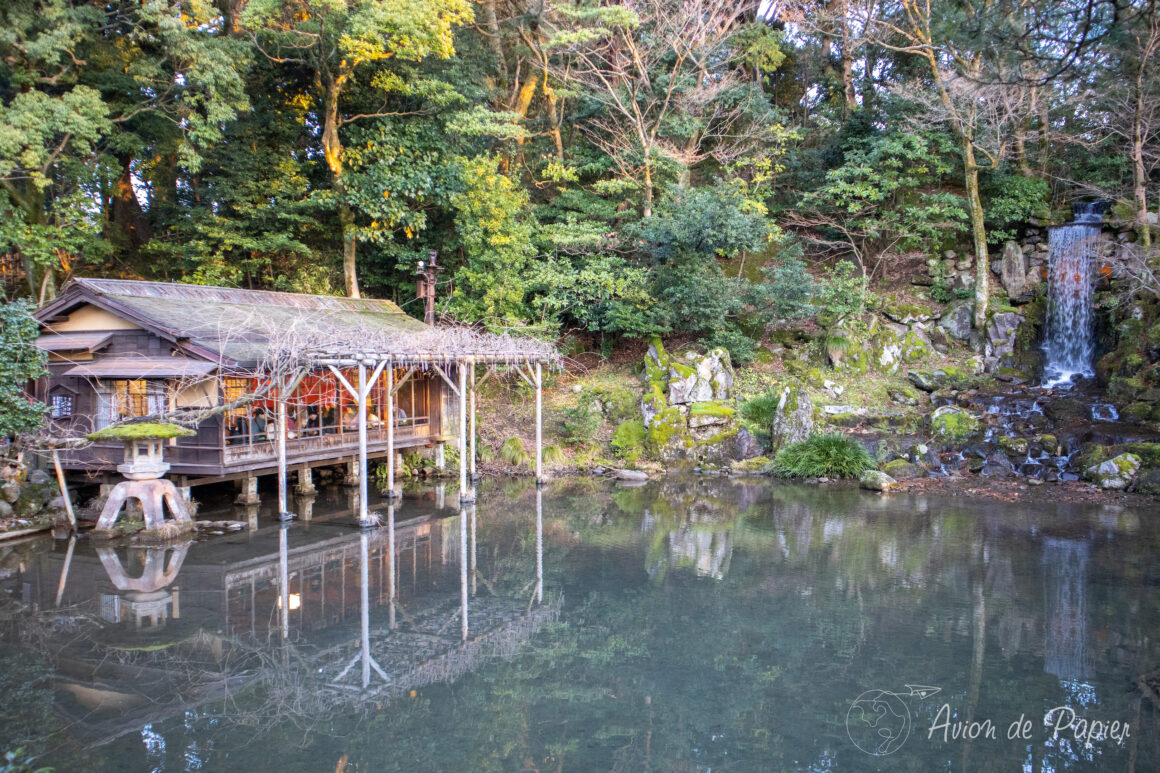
x,y
295,601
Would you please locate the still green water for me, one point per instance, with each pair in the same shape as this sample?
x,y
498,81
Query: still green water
x,y
686,625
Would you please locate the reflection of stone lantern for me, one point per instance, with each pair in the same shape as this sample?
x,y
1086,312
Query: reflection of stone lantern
x,y
147,598
143,467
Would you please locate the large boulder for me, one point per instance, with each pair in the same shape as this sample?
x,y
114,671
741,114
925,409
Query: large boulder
x,y
1116,473
1000,340
873,480
952,424
700,378
1013,271
794,420
956,320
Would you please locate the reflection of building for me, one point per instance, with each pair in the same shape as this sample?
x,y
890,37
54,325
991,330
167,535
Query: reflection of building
x,y
318,599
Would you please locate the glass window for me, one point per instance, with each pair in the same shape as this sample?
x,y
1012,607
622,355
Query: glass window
x,y
62,406
124,399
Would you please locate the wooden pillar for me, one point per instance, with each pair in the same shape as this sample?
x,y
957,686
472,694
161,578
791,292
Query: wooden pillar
x,y
539,424
464,493
440,457
363,513
471,437
390,430
280,409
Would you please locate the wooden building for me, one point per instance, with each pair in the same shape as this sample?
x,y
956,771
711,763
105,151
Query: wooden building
x,y
242,362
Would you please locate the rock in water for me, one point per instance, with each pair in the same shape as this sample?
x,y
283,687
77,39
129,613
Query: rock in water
x,y
1116,473
874,480
795,417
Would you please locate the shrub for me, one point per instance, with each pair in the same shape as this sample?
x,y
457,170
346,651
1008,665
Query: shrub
x,y
830,456
761,410
628,439
579,425
513,452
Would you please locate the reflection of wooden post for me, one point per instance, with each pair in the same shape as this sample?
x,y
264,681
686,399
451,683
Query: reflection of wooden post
x,y
539,546
473,547
463,570
284,581
392,591
72,542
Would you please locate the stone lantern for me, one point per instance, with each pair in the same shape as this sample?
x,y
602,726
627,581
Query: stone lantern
x,y
143,467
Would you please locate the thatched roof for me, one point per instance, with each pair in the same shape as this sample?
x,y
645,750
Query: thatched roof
x,y
248,328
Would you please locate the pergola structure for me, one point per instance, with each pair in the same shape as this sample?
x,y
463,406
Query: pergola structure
x,y
453,354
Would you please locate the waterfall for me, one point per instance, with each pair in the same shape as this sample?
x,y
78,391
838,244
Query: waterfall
x,y
1072,251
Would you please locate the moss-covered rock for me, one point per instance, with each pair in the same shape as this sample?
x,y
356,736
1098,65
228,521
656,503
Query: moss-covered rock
x,y
668,438
1116,473
875,480
628,439
900,469
711,412
1148,481
1137,413
1013,446
754,466
952,424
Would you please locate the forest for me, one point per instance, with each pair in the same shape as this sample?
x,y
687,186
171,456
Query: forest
x,y
694,167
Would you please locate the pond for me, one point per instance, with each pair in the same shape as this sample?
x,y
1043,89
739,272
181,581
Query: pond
x,y
690,624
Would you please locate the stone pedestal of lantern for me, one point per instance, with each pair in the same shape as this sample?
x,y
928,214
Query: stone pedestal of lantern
x,y
143,467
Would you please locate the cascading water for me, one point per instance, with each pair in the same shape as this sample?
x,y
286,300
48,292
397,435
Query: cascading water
x,y
1072,251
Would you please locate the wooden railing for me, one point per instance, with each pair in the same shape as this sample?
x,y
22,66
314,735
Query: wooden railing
x,y
305,446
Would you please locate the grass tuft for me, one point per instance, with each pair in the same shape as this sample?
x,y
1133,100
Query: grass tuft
x,y
828,456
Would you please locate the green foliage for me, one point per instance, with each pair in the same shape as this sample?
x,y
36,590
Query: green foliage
x,y
493,222
579,424
880,199
628,439
761,411
843,292
829,456
600,293
788,289
514,453
553,454
20,363
1012,199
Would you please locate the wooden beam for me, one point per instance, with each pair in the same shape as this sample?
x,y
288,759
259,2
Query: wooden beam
x,y
406,377
464,496
391,429
471,436
363,515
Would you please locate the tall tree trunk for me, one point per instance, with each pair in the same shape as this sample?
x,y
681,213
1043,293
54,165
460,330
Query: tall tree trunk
x,y
1044,137
648,189
978,233
1139,174
332,150
494,41
129,229
553,119
851,100
349,273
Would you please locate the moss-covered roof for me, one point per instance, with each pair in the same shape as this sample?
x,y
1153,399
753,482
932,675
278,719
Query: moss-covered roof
x,y
141,431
